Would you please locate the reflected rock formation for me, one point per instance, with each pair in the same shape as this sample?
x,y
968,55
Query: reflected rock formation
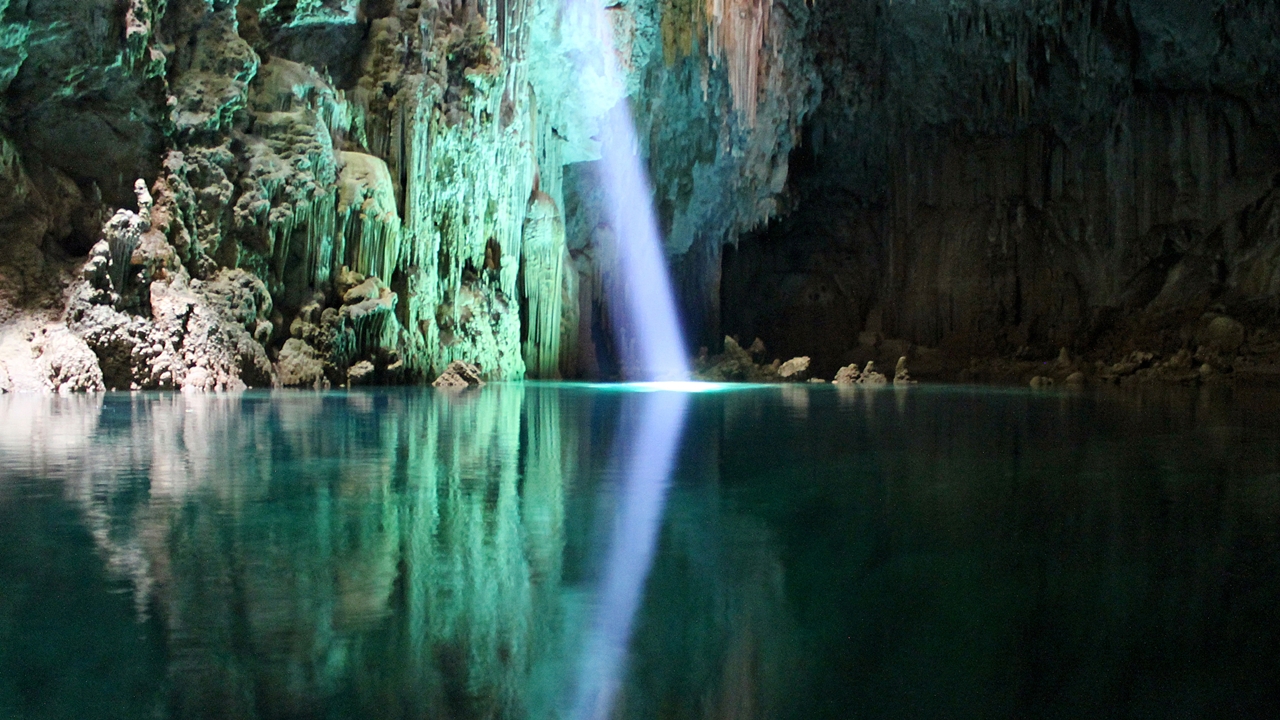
x,y
399,554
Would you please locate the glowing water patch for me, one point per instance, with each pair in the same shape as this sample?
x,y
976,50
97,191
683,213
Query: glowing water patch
x,y
673,386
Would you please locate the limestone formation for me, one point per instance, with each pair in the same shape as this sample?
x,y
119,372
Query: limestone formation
x,y
300,365
848,375
794,370
901,376
979,178
870,376
459,375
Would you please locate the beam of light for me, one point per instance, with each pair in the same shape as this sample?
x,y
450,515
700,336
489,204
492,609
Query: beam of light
x,y
650,341
646,455
651,346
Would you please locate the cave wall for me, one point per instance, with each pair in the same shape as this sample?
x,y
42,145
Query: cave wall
x,y
993,178
350,191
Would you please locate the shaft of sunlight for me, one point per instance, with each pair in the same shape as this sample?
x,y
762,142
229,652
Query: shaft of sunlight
x,y
646,322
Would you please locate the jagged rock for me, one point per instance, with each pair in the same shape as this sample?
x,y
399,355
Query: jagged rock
x,y
300,365
847,375
360,373
794,369
736,365
37,357
369,289
459,375
1181,360
870,376
1076,379
901,376
155,327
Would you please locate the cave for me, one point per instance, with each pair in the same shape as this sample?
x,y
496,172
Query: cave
x,y
595,359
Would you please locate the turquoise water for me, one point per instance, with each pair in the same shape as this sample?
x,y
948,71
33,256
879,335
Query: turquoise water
x,y
815,553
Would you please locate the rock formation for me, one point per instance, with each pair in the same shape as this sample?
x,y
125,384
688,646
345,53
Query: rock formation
x,y
972,184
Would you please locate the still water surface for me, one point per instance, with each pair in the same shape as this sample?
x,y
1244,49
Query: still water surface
x,y
772,552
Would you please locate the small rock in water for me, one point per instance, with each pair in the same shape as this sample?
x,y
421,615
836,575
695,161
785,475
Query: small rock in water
x,y
871,377
459,375
1075,379
794,369
817,381
1041,381
848,375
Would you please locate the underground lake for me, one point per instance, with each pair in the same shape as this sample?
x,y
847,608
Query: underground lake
x,y
742,552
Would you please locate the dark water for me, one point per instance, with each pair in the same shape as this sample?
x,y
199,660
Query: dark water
x,y
931,553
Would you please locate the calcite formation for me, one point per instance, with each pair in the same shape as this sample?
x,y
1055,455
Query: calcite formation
x,y
418,146
968,179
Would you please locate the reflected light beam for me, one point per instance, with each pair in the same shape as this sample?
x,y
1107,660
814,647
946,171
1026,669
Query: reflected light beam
x,y
647,457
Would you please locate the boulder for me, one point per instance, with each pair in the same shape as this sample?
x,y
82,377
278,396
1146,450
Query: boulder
x,y
1223,334
871,377
459,375
847,375
794,369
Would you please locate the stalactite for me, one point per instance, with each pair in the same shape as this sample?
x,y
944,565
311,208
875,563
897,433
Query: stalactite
x,y
370,239
543,256
738,29
467,188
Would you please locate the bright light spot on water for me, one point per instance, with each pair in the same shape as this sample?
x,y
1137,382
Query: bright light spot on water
x,y
673,386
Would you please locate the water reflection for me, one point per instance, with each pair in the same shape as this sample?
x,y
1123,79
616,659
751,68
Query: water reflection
x,y
938,552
